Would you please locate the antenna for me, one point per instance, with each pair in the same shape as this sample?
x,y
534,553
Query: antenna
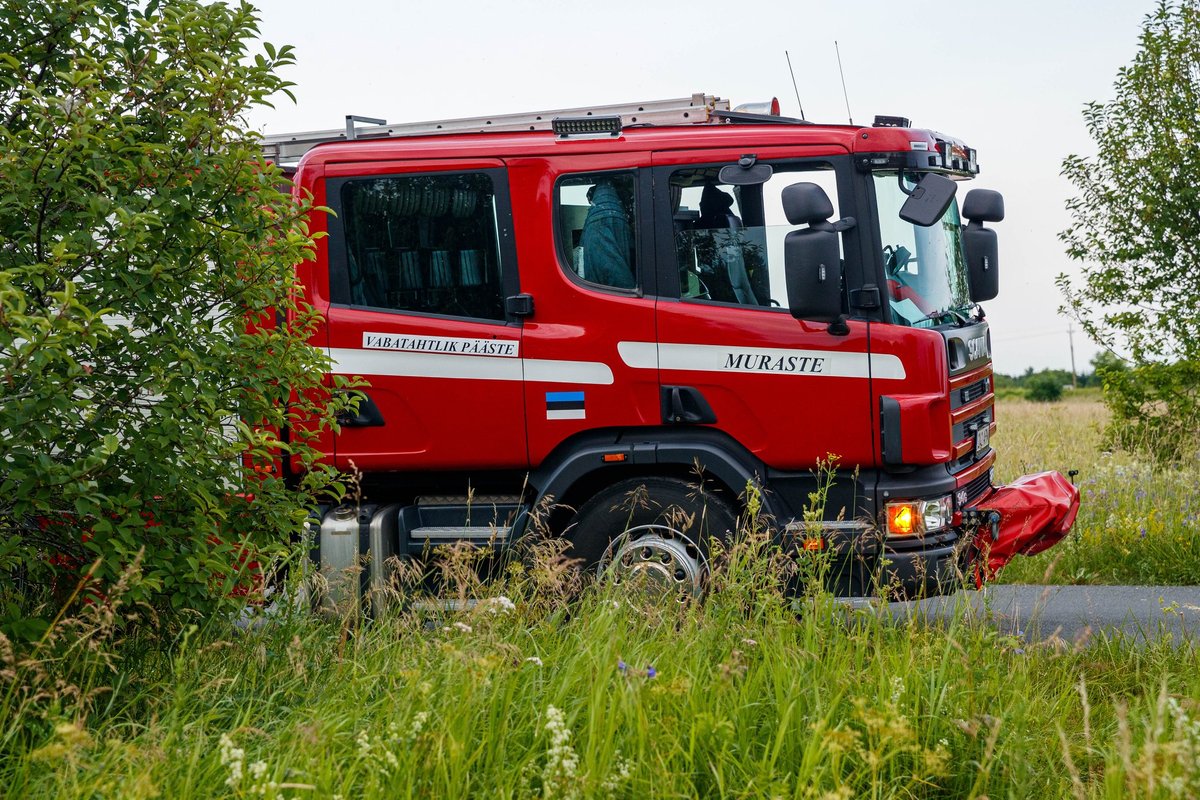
x,y
843,74
797,90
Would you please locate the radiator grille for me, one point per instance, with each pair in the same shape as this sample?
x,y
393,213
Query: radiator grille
x,y
966,428
969,394
975,488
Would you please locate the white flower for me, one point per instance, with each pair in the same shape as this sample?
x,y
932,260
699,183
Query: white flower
x,y
364,743
462,626
559,777
537,662
233,758
418,724
613,782
258,769
897,689
500,605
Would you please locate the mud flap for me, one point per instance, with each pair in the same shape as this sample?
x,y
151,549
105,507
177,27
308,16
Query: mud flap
x,y
1026,517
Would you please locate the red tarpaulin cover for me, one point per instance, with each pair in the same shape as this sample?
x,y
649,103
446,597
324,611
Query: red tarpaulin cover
x,y
1036,511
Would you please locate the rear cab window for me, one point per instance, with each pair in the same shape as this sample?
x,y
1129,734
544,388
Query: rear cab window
x,y
425,243
596,220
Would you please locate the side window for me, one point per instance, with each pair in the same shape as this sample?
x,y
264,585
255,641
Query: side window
x,y
729,239
425,243
596,215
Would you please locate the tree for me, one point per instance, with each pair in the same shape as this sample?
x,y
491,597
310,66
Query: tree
x,y
1136,232
142,238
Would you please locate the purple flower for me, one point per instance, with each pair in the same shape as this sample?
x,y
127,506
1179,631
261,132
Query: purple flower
x,y
1020,651
1143,531
651,672
622,666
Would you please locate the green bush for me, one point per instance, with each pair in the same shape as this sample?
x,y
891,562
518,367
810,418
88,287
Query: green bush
x,y
1044,388
1156,410
140,235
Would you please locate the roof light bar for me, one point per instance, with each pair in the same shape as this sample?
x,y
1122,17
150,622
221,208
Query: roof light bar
x,y
587,126
883,121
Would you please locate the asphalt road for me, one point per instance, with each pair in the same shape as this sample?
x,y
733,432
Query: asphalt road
x,y
1074,614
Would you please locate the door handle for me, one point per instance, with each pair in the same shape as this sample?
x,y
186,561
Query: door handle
x,y
685,405
368,416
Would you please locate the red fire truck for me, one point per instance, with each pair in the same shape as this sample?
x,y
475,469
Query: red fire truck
x,y
664,302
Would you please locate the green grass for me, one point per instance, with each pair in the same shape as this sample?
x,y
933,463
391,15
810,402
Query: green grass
x,y
1138,523
751,695
747,700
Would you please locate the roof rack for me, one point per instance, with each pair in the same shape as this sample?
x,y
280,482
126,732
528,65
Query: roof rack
x,y
289,147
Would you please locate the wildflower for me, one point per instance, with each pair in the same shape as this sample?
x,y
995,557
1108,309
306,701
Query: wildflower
x,y
749,642
258,769
897,689
364,743
462,626
418,724
651,672
501,604
622,667
1019,651
619,776
537,662
233,759
559,777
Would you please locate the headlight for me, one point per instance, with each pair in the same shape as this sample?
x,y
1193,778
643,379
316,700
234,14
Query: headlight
x,y
918,517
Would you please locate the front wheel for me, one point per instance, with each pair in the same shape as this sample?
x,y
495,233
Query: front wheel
x,y
652,532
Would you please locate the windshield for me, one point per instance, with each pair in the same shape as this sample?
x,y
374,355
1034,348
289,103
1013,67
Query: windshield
x,y
926,272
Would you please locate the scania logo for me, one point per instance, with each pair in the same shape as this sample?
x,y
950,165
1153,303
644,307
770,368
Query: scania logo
x,y
977,348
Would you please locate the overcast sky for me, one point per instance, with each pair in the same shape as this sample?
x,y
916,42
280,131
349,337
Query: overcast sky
x,y
1009,77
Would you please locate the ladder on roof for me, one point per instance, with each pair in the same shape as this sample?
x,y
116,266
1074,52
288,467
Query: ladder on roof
x,y
289,147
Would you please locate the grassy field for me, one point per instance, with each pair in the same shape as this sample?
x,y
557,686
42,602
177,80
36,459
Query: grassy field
x,y
530,694
1138,524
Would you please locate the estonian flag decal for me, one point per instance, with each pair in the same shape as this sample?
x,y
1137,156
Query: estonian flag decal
x,y
565,405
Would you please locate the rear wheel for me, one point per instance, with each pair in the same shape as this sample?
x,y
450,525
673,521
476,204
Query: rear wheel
x,y
652,533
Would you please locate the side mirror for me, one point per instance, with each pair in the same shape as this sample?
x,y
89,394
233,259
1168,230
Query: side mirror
x,y
811,260
929,201
983,205
979,243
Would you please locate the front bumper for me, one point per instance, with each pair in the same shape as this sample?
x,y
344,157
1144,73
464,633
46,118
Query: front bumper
x,y
1029,515
929,568
1023,518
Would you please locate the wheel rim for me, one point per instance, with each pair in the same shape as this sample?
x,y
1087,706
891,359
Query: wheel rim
x,y
655,560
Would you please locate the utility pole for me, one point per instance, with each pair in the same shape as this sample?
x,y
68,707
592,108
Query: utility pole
x,y
1071,340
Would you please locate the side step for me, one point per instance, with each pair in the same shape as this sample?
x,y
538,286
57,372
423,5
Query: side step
x,y
489,522
447,533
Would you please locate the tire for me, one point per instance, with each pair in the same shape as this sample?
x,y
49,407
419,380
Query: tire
x,y
663,503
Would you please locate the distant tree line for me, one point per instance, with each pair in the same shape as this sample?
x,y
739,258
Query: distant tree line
x,y
1047,385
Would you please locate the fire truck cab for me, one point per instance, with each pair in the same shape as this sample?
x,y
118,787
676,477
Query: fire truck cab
x,y
626,316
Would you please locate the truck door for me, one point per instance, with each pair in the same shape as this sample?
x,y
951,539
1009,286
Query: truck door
x,y
421,260
583,235
789,391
